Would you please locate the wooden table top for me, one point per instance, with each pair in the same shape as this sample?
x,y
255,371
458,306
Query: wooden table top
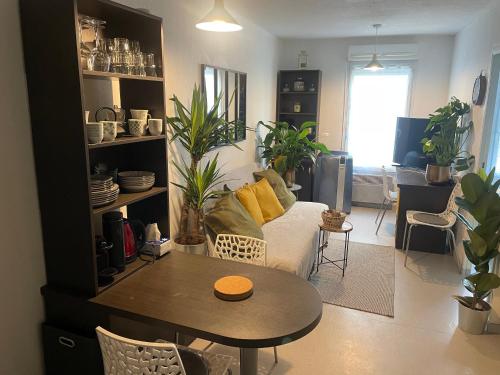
x,y
414,178
177,292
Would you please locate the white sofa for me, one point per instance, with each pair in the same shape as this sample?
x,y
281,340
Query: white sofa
x,y
292,239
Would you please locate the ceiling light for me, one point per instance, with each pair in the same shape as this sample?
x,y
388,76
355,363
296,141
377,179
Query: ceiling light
x,y
375,65
219,20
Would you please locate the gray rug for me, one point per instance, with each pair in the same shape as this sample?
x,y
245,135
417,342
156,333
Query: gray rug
x,y
368,284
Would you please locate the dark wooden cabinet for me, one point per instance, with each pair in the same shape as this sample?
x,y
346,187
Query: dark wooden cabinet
x,y
309,100
59,94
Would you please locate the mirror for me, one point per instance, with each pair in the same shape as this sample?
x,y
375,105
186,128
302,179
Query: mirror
x,y
232,85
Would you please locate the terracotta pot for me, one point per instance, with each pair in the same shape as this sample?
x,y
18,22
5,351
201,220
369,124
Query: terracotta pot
x,y
473,321
290,178
437,175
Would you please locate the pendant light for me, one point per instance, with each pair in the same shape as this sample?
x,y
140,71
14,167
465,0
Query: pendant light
x,y
375,65
219,20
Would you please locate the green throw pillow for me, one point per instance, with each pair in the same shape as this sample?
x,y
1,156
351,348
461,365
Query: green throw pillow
x,y
228,216
285,196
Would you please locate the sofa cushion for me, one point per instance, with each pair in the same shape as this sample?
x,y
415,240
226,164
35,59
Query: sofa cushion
x,y
292,239
247,198
285,196
228,216
268,201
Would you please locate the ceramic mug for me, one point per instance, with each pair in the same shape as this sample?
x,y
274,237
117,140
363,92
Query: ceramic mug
x,y
110,129
95,132
136,127
155,126
141,114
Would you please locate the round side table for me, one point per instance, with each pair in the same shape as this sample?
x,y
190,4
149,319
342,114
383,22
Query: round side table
x,y
295,189
324,233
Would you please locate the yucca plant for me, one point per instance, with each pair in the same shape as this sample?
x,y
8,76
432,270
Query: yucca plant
x,y
285,147
199,130
481,200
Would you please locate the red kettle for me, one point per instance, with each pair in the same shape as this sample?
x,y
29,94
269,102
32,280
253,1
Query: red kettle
x,y
134,234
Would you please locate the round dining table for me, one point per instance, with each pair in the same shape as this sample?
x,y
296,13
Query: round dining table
x,y
177,292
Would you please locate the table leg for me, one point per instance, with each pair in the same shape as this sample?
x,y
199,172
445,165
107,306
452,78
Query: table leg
x,y
249,359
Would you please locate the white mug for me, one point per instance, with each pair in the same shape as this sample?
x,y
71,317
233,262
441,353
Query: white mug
x,y
141,114
110,129
95,132
136,127
155,126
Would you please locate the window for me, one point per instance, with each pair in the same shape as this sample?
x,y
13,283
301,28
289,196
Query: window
x,y
376,99
490,152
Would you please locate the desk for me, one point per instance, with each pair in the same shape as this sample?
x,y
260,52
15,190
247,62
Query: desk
x,y
416,194
176,292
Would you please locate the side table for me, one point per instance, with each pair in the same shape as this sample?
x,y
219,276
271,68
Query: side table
x,y
295,189
324,233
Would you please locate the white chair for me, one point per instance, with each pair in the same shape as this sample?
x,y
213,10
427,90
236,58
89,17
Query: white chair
x,y
443,221
390,197
242,249
123,356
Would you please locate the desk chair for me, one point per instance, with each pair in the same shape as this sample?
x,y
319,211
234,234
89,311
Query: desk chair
x,y
390,197
245,250
125,356
443,221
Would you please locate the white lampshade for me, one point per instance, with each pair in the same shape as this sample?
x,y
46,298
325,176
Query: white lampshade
x,y
374,65
219,20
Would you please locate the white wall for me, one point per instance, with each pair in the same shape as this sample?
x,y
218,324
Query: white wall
x,y
430,82
252,50
472,54
21,266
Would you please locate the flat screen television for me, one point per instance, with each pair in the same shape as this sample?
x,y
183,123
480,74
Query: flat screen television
x,y
407,146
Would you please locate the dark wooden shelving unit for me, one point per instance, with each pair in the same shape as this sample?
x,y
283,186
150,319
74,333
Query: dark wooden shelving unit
x,y
68,219
310,103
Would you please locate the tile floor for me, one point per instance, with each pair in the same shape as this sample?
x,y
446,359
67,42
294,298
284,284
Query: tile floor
x,y
422,339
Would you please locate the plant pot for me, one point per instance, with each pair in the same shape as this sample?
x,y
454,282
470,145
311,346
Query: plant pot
x,y
198,249
289,178
437,175
473,321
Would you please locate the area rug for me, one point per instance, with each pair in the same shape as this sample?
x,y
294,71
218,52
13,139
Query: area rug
x,y
368,284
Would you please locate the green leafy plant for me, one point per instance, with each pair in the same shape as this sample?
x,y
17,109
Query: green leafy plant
x,y
481,200
285,147
449,132
198,130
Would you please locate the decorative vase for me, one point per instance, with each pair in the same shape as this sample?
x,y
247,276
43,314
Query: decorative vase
x,y
473,321
290,178
437,175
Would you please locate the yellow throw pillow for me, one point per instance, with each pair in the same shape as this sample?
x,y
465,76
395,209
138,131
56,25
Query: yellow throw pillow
x,y
247,198
268,201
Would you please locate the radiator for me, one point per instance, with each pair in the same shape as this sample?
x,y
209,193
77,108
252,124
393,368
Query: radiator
x,y
367,190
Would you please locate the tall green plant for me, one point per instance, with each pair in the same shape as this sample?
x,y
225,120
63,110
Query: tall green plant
x,y
199,130
481,200
449,136
285,147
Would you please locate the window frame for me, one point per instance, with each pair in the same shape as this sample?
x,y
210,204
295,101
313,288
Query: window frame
x,y
351,67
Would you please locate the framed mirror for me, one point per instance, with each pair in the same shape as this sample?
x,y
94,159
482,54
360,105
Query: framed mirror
x,y
232,85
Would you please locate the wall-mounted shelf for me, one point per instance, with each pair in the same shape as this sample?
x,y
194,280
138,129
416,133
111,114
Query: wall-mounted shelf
x,y
128,198
107,75
127,140
298,113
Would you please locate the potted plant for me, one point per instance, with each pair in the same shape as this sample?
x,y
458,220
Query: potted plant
x,y
198,130
481,200
285,148
445,146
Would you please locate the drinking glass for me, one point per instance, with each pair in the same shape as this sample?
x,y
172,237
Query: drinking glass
x,y
149,64
99,59
83,24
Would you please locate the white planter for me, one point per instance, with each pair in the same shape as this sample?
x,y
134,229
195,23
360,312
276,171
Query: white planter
x,y
200,249
472,321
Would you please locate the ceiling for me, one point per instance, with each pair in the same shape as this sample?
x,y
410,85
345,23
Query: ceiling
x,y
351,18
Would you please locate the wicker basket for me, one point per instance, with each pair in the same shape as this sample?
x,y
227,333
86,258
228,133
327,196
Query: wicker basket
x,y
333,219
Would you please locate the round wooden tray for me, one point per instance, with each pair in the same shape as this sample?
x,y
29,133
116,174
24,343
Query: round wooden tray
x,y
233,288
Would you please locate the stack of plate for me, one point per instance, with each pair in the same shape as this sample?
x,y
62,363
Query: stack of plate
x,y
102,190
136,181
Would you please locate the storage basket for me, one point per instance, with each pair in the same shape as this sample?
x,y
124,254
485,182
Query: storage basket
x,y
333,219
